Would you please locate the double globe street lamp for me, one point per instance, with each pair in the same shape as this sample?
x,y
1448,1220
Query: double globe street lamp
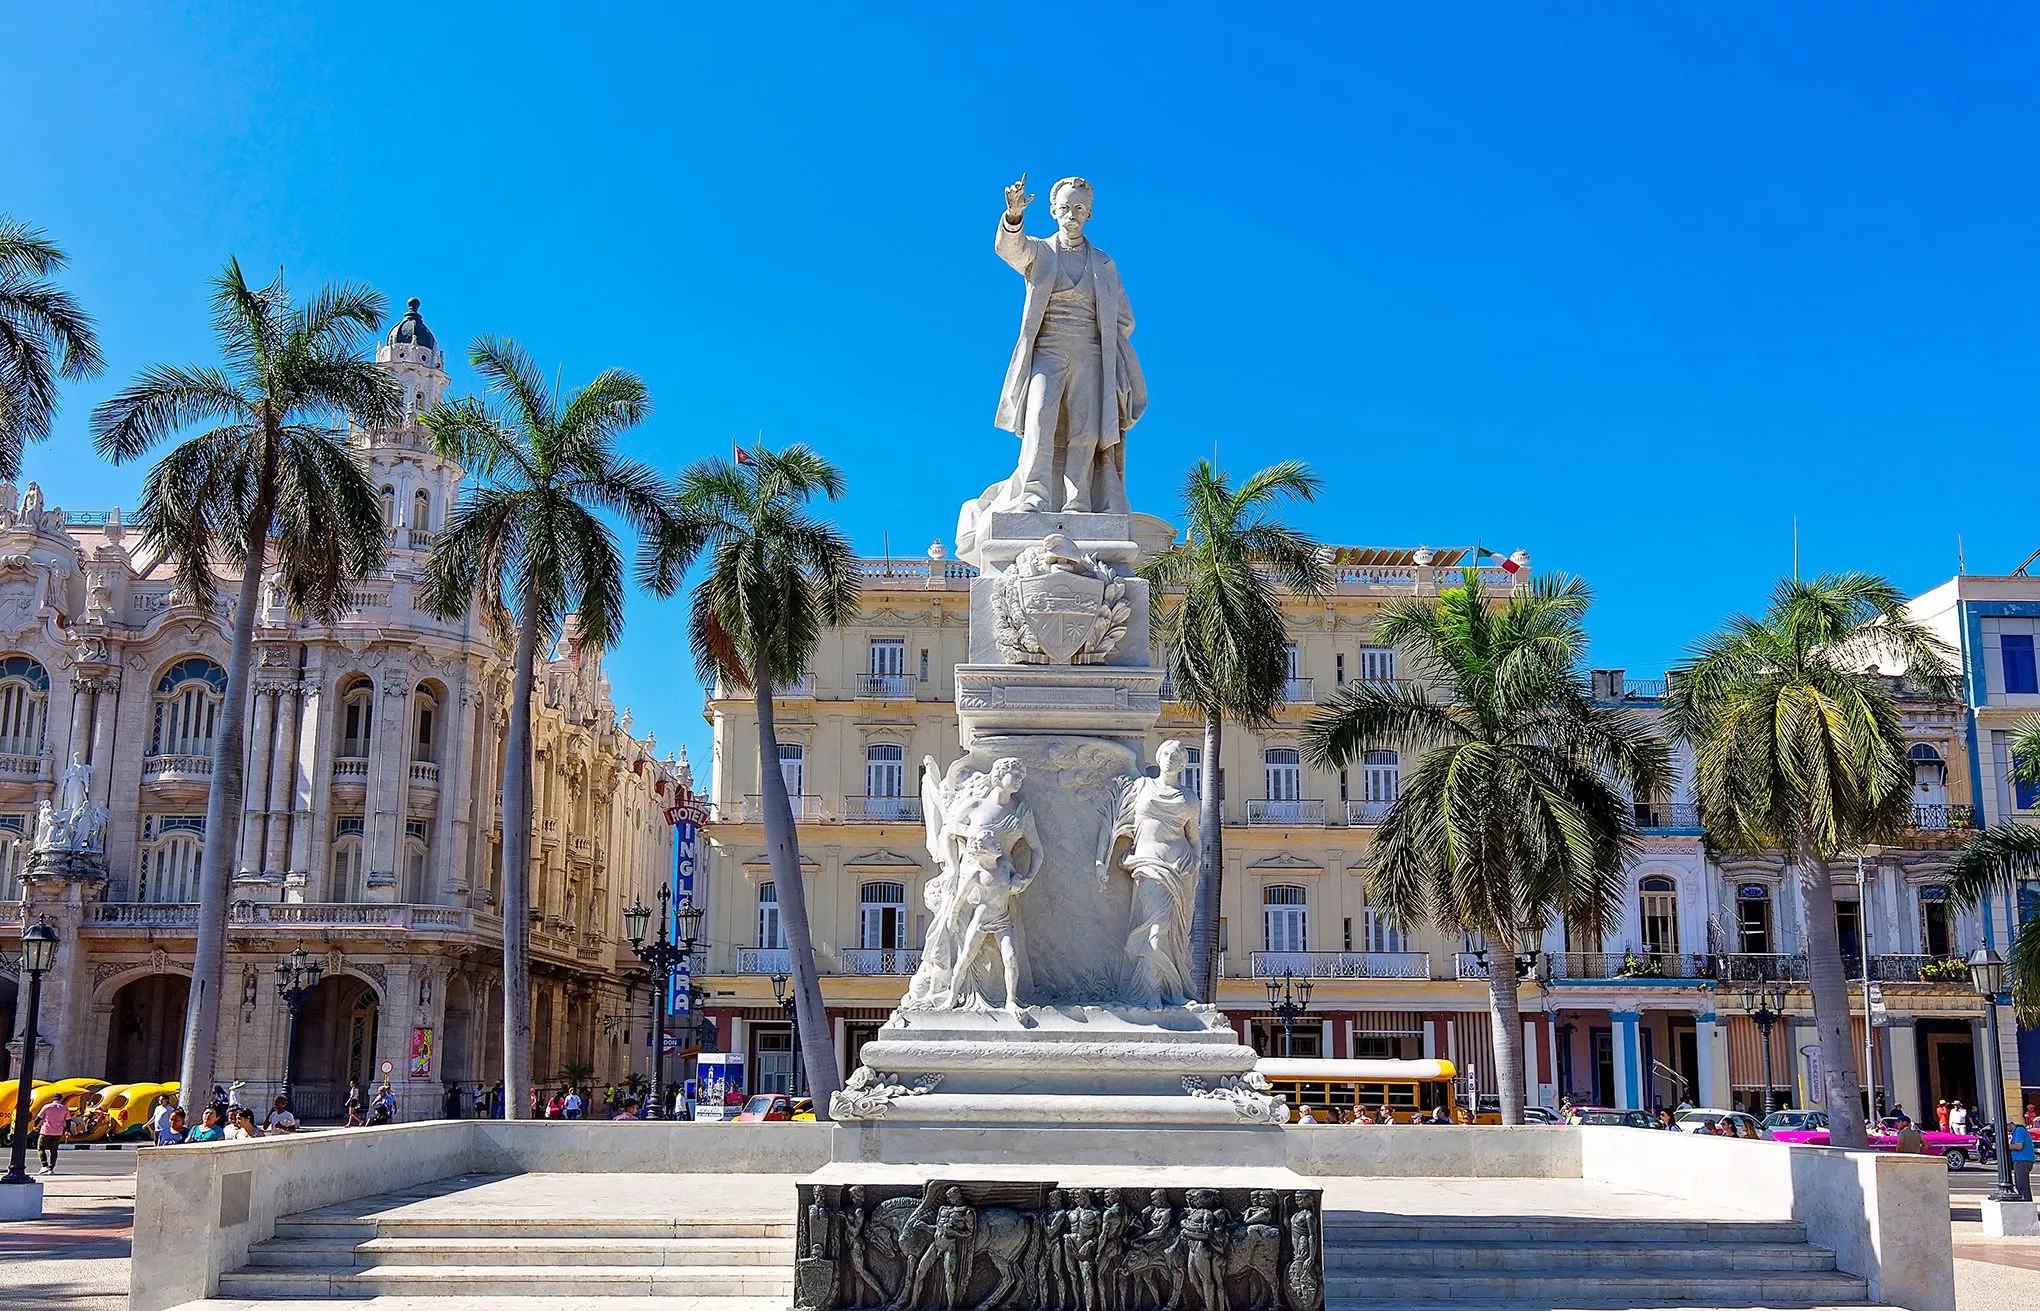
x,y
38,957
1764,1002
661,957
1288,997
790,1003
1987,974
297,978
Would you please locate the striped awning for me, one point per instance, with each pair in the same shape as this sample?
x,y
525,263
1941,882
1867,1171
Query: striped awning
x,y
1388,1024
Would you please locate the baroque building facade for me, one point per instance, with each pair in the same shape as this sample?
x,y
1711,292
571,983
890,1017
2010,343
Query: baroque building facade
x,y
1649,1013
372,829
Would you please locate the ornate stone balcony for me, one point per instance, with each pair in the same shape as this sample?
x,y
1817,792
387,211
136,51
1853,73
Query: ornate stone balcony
x,y
350,769
886,687
1340,964
807,808
115,917
1262,811
1299,691
16,768
424,774
878,960
177,769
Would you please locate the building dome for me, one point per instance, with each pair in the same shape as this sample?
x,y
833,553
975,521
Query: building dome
x,y
411,329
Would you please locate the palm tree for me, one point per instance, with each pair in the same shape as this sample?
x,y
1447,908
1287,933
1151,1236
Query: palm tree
x,y
1217,601
274,486
528,541
2002,861
1799,748
1518,813
40,325
777,576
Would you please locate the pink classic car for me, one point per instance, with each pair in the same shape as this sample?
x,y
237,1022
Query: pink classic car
x,y
1957,1149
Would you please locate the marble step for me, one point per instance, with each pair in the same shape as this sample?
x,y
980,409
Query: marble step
x,y
1444,1256
315,1225
1346,1229
550,1249
529,1281
1551,1289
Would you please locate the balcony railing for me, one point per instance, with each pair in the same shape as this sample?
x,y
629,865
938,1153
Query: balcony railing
x,y
764,960
1946,970
1367,812
1469,965
176,769
1758,967
1667,815
879,960
806,808
349,768
800,689
1299,691
23,767
259,917
1631,965
950,574
881,809
1260,811
424,774
1342,964
1940,817
892,687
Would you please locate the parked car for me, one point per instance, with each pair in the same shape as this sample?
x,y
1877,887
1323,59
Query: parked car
x,y
1957,1149
1606,1115
1540,1115
1694,1119
777,1106
1777,1120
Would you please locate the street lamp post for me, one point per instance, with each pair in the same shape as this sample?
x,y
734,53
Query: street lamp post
x,y
661,957
297,977
1288,997
1987,974
1764,1003
38,955
790,1003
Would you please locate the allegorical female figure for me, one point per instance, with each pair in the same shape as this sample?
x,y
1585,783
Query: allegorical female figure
x,y
1159,818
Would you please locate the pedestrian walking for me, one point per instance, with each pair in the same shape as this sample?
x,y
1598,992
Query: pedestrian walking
x,y
2020,1138
50,1123
357,1105
496,1100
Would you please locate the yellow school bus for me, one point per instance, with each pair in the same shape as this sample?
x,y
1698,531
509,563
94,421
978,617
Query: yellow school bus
x,y
1334,1089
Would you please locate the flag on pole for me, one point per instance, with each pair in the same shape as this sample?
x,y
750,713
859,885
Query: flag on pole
x,y
743,456
1508,564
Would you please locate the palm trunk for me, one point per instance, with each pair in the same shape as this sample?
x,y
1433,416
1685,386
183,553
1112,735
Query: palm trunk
x,y
1210,871
1830,986
782,847
1506,1019
223,812
517,874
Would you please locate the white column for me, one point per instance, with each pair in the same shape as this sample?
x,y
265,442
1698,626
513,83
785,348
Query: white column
x,y
1904,1039
105,710
311,816
282,774
84,690
1711,1040
260,758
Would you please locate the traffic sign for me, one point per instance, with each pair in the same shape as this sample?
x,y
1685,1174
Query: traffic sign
x,y
389,1067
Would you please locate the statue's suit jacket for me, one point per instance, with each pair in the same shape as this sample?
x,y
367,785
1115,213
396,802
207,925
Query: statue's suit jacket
x,y
1124,393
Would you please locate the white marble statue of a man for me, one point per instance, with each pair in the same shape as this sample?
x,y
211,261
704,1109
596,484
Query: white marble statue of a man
x,y
1160,819
1073,386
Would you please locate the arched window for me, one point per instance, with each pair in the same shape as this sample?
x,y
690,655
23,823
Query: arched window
x,y
188,698
425,745
24,696
1381,783
1659,905
882,916
771,934
357,717
349,879
421,510
168,871
389,505
1285,924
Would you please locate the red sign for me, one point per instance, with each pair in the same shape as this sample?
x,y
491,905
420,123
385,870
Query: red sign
x,y
690,809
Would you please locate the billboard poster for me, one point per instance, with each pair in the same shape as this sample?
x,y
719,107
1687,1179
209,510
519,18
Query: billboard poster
x,y
421,1053
719,1085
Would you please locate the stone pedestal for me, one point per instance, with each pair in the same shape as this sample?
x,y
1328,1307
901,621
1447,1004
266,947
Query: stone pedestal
x,y
22,1201
2009,1219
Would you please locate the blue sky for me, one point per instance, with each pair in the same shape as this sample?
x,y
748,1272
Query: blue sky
x,y
1628,286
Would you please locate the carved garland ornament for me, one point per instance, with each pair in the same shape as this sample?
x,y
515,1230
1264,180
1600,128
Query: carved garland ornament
x,y
869,1095
1248,1095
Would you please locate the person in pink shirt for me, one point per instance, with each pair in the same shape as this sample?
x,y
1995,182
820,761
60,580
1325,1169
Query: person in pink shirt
x,y
50,1122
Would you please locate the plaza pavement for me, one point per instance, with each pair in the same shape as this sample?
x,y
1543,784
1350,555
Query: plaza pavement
x,y
76,1257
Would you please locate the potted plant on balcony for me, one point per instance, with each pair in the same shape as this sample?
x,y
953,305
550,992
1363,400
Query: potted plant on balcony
x,y
1634,966
1947,969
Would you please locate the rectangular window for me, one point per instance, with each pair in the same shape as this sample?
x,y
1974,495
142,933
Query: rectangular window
x,y
1296,661
1384,934
2016,651
1936,936
1377,664
1347,932
1848,927
775,1060
1191,778
1339,669
1753,921
887,674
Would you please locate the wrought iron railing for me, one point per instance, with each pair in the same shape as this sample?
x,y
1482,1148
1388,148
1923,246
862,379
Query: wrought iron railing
x,y
891,687
1266,811
1941,817
1667,815
882,809
1632,964
1342,964
1948,970
1759,967
289,915
1299,691
764,960
879,960
1367,812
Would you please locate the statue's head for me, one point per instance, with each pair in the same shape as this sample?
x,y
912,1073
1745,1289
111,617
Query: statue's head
x,y
1008,773
1069,203
1169,758
1055,1197
983,847
954,1196
1159,1197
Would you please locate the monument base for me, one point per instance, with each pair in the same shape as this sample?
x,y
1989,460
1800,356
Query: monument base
x,y
22,1201
2009,1219
1061,1065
